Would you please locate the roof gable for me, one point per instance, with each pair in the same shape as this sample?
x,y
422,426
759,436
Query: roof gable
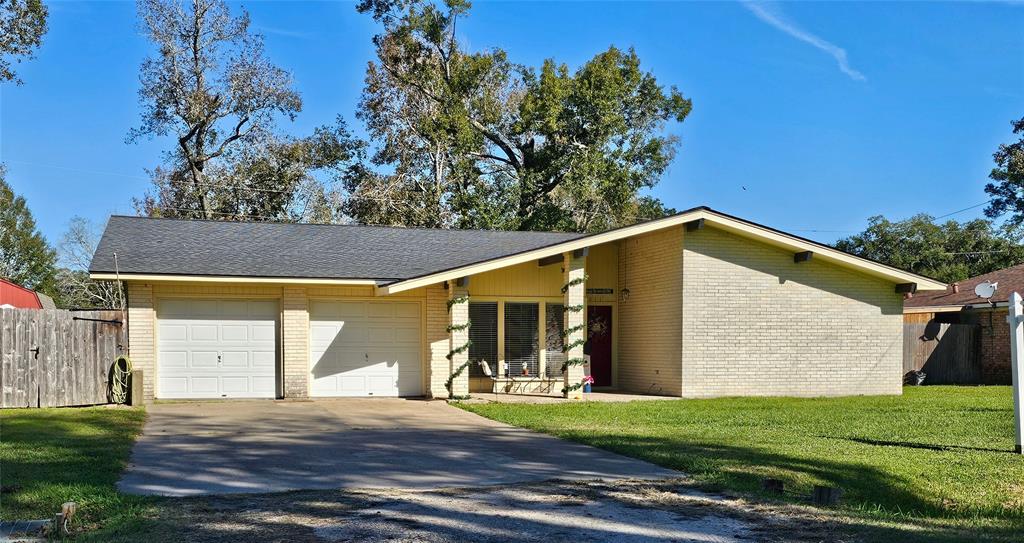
x,y
726,222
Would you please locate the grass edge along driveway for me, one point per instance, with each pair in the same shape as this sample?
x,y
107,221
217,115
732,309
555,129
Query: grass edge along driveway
x,y
939,455
51,456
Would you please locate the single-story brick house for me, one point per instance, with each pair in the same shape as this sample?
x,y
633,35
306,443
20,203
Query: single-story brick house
x,y
958,304
698,304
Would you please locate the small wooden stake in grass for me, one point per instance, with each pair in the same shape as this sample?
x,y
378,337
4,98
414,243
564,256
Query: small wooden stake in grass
x,y
62,520
774,486
826,495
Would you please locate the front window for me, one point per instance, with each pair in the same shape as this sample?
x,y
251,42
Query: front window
x,y
521,339
554,324
483,333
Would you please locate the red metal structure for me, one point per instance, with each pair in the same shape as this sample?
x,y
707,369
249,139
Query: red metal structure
x,y
18,296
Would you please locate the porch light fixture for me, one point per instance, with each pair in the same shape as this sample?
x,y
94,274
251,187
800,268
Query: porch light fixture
x,y
624,294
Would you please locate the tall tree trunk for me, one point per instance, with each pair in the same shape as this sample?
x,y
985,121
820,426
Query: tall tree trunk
x,y
197,183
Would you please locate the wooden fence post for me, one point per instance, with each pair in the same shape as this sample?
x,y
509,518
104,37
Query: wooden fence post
x,y
1017,363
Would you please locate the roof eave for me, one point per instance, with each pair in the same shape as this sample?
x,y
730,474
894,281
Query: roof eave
x,y
152,277
948,308
720,220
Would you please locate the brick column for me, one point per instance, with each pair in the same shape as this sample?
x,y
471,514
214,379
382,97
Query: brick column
x,y
295,349
458,315
438,341
574,268
141,327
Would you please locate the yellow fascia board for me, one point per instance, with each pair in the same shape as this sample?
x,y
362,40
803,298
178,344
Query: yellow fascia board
x,y
228,279
729,224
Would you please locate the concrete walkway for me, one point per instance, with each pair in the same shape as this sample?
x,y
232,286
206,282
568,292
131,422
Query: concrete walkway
x,y
604,397
265,446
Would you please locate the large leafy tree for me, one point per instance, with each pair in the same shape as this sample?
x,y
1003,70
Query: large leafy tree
x,y
949,251
25,257
1007,189
22,26
210,86
470,139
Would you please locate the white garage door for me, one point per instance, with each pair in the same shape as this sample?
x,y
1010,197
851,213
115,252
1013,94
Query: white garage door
x,y
216,348
365,348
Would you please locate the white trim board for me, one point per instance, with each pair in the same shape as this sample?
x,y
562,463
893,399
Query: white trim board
x,y
228,279
713,218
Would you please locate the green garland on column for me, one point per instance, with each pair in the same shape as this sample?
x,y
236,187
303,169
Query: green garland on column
x,y
569,346
569,331
566,347
457,300
573,362
451,378
577,386
574,282
460,349
454,327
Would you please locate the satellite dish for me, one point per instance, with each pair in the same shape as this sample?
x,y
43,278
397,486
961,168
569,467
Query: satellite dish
x,y
986,289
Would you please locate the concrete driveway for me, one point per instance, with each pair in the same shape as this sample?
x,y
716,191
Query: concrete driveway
x,y
266,446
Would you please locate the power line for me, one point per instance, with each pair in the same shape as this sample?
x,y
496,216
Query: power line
x,y
965,209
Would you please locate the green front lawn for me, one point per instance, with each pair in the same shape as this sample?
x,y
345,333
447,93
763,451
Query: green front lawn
x,y
51,456
936,454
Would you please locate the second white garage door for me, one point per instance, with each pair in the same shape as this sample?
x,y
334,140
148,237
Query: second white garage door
x,y
365,348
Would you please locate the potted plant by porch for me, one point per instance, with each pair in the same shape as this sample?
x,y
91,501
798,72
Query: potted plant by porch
x,y
587,381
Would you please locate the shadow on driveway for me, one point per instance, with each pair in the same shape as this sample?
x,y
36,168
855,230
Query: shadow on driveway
x,y
265,446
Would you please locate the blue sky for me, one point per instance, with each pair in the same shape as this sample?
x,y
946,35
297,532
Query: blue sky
x,y
809,117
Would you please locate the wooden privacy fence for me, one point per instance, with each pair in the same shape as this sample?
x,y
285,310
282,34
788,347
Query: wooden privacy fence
x,y
947,353
56,358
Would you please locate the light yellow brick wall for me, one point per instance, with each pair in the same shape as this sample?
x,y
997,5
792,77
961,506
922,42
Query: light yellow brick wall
x,y
142,333
437,341
458,315
295,341
650,320
756,323
574,269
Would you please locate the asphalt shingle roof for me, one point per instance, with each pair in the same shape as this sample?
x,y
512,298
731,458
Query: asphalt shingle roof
x,y
258,249
1010,279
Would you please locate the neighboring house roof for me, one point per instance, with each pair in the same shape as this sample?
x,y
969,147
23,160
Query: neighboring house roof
x,y
1010,279
395,259
45,301
15,295
379,254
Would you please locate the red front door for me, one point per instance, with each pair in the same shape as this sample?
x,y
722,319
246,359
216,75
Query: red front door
x,y
599,333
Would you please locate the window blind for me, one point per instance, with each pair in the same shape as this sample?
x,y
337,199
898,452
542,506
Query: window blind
x,y
521,338
484,335
554,317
